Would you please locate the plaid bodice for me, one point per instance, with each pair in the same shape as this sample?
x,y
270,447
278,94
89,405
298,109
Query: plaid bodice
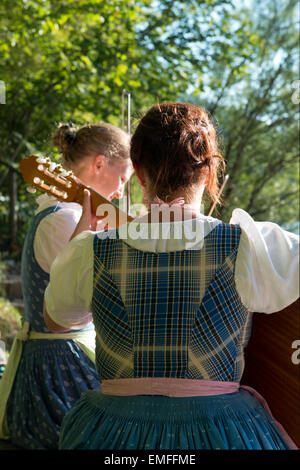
x,y
170,314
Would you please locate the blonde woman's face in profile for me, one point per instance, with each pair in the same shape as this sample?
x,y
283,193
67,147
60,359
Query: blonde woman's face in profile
x,y
108,179
112,178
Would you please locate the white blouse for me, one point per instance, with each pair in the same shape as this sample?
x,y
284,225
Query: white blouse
x,y
266,270
54,230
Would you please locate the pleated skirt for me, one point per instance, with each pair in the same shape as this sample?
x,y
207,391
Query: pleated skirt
x,y
51,377
229,421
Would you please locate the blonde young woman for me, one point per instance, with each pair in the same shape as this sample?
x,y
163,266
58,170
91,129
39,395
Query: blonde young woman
x,y
53,370
172,304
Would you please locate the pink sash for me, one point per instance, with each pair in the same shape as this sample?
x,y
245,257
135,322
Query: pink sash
x,y
172,387
167,386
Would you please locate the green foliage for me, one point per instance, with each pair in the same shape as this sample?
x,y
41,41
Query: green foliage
x,y
10,321
71,59
250,98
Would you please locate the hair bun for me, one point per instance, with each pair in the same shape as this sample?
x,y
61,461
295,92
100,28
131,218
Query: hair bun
x,y
64,137
176,144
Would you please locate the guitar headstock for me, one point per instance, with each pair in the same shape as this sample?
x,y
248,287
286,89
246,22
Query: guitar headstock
x,y
49,177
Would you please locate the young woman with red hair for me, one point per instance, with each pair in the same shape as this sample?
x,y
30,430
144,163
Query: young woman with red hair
x,y
171,295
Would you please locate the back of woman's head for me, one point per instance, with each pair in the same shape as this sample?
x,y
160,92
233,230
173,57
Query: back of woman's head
x,y
91,140
176,145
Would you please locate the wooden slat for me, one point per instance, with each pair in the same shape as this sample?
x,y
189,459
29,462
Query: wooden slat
x,y
269,367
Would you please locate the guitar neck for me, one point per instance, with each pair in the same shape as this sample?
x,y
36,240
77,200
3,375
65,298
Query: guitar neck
x,y
103,207
51,178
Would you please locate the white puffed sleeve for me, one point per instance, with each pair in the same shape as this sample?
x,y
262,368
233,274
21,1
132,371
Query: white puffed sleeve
x,y
69,293
267,264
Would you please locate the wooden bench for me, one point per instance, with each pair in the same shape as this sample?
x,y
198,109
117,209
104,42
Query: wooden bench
x,y
270,368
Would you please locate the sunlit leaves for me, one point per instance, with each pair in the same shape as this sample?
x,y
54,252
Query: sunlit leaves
x,y
71,59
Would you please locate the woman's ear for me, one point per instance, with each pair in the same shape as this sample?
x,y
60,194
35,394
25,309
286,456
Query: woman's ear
x,y
99,161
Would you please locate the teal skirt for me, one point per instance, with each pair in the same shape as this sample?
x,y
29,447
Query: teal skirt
x,y
229,421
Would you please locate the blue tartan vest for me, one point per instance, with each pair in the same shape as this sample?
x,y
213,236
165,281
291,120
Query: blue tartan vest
x,y
34,278
171,314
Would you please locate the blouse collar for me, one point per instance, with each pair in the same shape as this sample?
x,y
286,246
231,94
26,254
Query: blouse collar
x,y
167,236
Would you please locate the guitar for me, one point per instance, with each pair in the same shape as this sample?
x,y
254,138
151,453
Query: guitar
x,y
49,177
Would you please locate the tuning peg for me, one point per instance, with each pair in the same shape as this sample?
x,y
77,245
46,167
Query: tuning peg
x,y
37,180
63,172
52,166
41,160
31,189
41,167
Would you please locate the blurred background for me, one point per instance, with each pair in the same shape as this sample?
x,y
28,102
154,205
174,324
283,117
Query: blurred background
x,y
70,60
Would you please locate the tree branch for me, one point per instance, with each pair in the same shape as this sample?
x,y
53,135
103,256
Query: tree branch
x,y
11,167
271,171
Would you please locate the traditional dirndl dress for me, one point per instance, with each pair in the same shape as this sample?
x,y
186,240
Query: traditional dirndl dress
x,y
170,335
53,369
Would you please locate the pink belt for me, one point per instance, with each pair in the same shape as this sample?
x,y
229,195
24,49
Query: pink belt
x,y
167,386
173,387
